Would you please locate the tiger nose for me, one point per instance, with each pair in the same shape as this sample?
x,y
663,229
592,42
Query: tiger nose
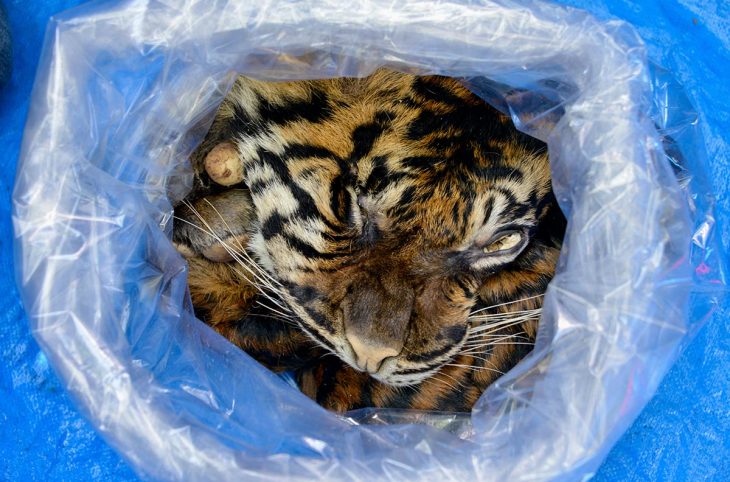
x,y
369,357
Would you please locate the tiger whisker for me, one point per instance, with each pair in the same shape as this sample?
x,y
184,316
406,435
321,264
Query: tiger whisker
x,y
496,327
504,335
497,316
483,337
240,263
209,230
478,349
499,336
410,387
501,322
242,248
273,317
486,360
267,280
283,315
473,368
458,382
326,354
277,318
229,249
492,327
510,343
486,342
278,303
507,303
448,385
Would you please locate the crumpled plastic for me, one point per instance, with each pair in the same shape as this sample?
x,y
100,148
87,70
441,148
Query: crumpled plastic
x,y
126,90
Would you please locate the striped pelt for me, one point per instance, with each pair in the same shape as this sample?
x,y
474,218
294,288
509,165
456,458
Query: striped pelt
x,y
387,239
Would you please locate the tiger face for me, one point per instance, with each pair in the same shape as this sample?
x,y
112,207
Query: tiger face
x,y
383,208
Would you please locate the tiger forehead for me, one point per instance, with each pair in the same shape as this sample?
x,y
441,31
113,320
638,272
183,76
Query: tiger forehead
x,y
431,128
423,152
337,113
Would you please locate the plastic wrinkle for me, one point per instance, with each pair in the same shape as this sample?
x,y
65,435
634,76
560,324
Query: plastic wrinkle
x,y
127,89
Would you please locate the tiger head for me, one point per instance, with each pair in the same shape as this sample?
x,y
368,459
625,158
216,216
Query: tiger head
x,y
386,208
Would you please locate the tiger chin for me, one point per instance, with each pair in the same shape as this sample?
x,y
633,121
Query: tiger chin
x,y
386,239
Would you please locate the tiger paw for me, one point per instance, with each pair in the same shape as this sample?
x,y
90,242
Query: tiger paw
x,y
223,164
215,226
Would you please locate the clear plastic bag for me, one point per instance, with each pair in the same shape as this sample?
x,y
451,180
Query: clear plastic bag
x,y
125,91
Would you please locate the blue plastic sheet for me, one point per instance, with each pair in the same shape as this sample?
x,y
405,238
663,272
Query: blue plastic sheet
x,y
38,366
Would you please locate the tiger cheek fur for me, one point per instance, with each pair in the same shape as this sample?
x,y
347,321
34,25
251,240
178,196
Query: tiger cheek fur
x,y
390,209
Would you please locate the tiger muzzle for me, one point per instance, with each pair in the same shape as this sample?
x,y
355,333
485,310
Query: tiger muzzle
x,y
376,314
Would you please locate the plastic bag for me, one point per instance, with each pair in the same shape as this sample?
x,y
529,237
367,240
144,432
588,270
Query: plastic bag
x,y
126,90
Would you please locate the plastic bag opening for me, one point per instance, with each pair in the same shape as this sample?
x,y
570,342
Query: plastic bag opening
x,y
103,157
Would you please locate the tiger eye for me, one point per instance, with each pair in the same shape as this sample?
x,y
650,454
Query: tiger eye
x,y
504,243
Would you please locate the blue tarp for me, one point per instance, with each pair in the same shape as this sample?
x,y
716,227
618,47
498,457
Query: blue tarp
x,y
684,433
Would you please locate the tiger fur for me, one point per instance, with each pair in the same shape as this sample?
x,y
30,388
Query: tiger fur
x,y
389,242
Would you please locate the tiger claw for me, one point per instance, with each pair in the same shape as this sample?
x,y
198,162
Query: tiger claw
x,y
223,164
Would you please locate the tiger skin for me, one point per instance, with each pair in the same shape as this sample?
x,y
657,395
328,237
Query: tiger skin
x,y
383,218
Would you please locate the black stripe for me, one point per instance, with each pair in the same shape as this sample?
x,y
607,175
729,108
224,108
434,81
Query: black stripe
x,y
468,204
320,320
432,88
511,199
292,152
416,371
379,178
308,250
307,207
303,294
313,333
427,123
258,187
410,102
454,400
552,224
406,198
402,398
305,151
365,135
403,210
314,109
421,163
273,226
453,333
402,213
456,214
517,210
340,198
429,355
488,208
468,291
242,125
366,394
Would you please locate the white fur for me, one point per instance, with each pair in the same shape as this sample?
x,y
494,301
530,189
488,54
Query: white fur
x,y
310,231
275,198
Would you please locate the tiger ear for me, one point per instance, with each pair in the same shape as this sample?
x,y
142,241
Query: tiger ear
x,y
216,226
